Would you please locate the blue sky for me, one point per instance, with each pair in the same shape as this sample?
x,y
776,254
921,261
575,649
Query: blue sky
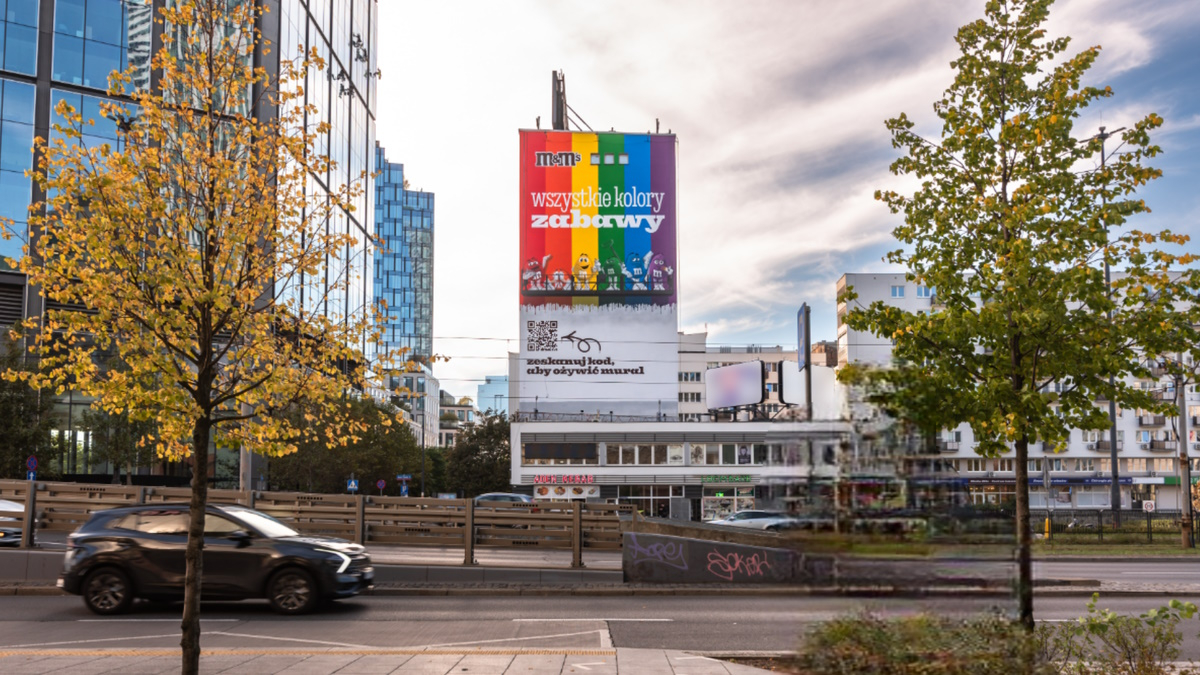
x,y
779,107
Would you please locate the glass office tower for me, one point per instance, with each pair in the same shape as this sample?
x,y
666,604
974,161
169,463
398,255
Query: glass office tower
x,y
65,49
404,260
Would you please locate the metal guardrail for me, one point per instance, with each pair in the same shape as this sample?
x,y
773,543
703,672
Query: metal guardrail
x,y
365,519
1095,526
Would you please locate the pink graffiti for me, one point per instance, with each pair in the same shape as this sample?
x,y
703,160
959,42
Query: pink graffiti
x,y
727,565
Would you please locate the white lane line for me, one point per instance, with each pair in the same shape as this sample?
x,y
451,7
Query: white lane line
x,y
284,639
515,639
82,642
146,620
565,620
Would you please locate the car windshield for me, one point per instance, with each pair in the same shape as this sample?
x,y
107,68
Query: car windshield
x,y
262,522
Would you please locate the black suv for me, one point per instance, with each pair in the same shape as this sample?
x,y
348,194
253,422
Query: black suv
x,y
138,552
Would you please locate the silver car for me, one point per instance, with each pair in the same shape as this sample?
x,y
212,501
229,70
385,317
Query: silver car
x,y
12,516
757,520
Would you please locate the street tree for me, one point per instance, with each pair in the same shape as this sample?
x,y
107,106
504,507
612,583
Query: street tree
x,y
1012,216
25,417
383,450
119,439
203,256
481,459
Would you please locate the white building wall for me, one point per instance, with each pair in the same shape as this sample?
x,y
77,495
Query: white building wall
x,y
1147,453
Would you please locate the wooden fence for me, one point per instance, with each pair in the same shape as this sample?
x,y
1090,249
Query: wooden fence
x,y
365,519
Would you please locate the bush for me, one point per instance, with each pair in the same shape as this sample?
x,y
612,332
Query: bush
x,y
918,645
1100,643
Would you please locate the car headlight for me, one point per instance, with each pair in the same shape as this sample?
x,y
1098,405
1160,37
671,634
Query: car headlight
x,y
345,559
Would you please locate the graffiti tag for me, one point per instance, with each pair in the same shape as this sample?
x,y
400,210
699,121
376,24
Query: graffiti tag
x,y
729,565
669,553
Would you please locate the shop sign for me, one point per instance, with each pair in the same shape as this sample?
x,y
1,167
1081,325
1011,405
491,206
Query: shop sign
x,y
727,479
564,479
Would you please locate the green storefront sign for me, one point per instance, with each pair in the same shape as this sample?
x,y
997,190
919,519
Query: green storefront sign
x,y
726,479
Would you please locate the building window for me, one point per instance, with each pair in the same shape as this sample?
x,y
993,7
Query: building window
x,y
924,292
976,465
1004,465
18,36
897,291
16,139
1087,465
93,38
1135,464
1035,466
623,158
1163,465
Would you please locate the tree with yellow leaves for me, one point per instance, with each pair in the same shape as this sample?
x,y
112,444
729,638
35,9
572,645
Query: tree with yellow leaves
x,y
198,249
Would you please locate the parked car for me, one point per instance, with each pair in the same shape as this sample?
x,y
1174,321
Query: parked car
x,y
138,552
502,497
12,515
757,520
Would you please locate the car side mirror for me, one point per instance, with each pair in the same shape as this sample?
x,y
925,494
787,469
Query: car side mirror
x,y
240,537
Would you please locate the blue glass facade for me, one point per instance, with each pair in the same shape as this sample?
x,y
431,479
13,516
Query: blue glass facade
x,y
404,260
90,39
16,143
18,36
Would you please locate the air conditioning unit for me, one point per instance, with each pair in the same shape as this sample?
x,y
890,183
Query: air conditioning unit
x,y
1145,446
1196,446
989,474
1092,446
1097,474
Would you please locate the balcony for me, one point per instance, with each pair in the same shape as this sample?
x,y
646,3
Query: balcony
x,y
1168,395
1195,421
1164,445
1152,420
1105,446
947,446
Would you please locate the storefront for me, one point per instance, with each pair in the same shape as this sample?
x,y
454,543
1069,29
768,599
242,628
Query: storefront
x,y
723,496
680,470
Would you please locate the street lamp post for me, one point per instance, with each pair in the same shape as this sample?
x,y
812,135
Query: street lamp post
x,y
1115,494
422,416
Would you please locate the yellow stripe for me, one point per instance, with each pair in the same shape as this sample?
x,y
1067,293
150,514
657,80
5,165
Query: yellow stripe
x,y
585,240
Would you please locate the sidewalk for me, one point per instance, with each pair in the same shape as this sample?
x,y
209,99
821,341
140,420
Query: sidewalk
x,y
363,662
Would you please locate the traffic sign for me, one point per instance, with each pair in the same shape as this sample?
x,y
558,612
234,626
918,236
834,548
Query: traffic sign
x,y
404,489
1148,506
31,463
403,477
31,475
380,483
352,485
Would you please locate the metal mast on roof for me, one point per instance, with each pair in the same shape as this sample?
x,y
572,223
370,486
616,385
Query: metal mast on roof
x,y
562,115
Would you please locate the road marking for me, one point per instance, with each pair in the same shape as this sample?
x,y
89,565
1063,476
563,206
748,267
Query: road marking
x,y
590,663
146,620
81,642
605,620
515,639
285,639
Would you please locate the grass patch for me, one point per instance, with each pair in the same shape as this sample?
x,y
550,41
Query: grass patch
x,y
1107,548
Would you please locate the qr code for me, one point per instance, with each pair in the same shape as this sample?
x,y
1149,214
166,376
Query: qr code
x,y
543,336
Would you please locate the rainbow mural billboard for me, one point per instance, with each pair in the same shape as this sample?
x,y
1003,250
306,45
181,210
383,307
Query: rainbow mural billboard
x,y
598,271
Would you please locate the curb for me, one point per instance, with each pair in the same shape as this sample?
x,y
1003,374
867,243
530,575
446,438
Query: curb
x,y
1191,557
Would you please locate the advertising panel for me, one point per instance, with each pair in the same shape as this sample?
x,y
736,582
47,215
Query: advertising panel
x,y
829,395
736,385
598,271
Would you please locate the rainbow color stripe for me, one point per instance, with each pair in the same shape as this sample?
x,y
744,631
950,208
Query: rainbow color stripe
x,y
643,185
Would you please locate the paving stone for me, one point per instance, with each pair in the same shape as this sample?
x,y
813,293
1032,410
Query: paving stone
x,y
373,664
429,664
536,664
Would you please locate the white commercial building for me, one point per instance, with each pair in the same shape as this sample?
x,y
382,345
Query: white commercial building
x,y
1147,445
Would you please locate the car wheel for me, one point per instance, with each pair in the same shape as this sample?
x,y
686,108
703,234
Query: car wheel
x,y
107,591
293,591
771,528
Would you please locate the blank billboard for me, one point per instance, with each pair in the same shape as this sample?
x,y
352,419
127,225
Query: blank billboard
x,y
736,385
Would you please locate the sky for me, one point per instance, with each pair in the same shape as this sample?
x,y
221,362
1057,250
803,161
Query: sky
x,y
779,109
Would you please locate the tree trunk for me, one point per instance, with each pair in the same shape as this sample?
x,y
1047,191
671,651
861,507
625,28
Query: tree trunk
x,y
1024,564
190,628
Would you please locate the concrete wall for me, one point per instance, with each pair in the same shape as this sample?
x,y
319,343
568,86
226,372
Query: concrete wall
x,y
656,558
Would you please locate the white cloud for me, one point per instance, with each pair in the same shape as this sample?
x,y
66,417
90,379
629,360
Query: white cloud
x,y
779,108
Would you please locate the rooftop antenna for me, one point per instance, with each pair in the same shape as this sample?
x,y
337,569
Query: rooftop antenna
x,y
656,125
558,100
539,121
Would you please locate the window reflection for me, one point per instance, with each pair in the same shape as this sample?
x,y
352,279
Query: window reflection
x,y
93,38
16,139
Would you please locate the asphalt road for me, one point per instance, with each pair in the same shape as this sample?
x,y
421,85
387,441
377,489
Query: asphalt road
x,y
1131,571
663,622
